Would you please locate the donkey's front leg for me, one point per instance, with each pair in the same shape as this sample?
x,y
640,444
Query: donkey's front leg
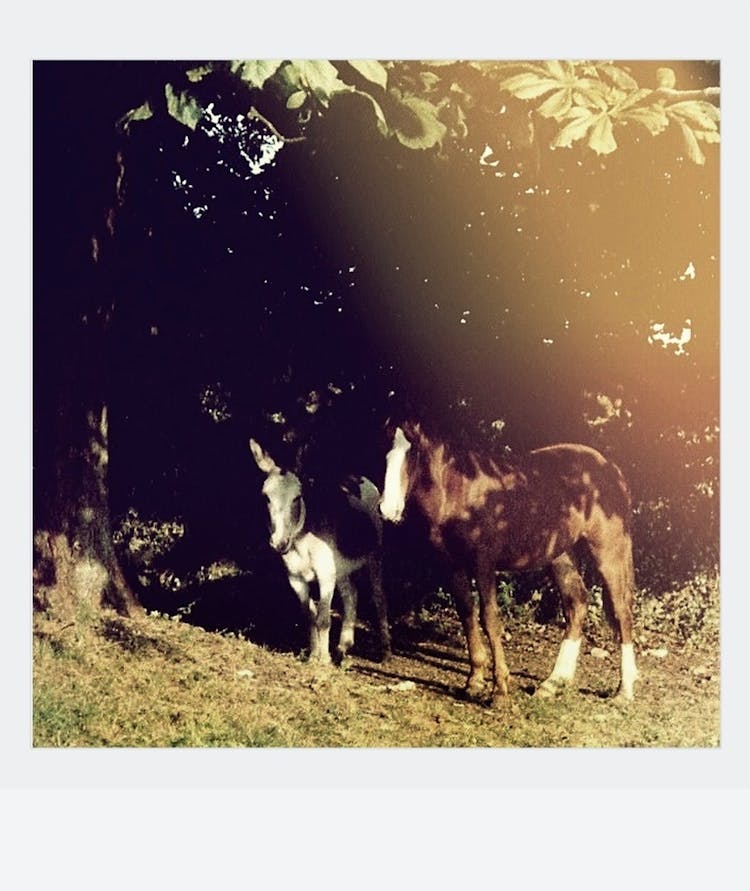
x,y
320,624
349,597
324,567
310,610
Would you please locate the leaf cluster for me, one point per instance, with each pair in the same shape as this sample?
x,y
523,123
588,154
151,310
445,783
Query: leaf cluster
x,y
588,101
424,104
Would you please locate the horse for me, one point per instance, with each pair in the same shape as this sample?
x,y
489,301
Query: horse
x,y
326,537
488,512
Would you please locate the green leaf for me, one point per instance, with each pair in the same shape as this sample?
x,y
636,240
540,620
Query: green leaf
x,y
529,85
321,76
255,71
316,76
602,140
142,113
691,145
379,116
652,117
296,100
665,77
183,107
593,93
557,71
416,124
194,75
697,113
580,121
632,99
619,77
372,70
557,105
430,80
710,136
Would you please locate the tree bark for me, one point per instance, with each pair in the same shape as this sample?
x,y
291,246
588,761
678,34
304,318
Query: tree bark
x,y
76,560
77,176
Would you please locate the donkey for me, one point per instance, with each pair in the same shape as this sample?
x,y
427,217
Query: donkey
x,y
486,512
326,537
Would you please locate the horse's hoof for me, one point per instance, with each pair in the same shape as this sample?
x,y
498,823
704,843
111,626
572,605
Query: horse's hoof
x,y
504,702
551,689
340,659
474,692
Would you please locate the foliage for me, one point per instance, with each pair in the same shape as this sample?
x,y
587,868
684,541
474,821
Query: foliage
x,y
591,100
147,546
280,250
422,104
145,541
690,614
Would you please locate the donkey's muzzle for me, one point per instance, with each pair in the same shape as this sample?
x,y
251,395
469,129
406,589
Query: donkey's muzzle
x,y
281,547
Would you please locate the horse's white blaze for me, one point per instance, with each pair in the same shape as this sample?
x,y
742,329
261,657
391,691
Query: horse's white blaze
x,y
628,671
567,660
394,488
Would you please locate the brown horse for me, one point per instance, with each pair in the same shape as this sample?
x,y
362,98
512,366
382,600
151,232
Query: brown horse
x,y
486,513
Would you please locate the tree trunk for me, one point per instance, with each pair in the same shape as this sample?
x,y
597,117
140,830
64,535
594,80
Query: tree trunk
x,y
76,175
75,559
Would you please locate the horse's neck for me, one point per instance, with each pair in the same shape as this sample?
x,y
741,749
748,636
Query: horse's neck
x,y
430,487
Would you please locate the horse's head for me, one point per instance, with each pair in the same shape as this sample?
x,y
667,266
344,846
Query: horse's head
x,y
397,472
283,493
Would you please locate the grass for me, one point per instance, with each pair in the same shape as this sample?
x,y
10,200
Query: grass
x,y
106,681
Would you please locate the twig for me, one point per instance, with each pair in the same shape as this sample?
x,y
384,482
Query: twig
x,y
710,93
254,113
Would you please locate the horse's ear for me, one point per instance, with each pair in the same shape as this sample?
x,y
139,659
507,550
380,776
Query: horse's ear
x,y
262,458
300,457
412,431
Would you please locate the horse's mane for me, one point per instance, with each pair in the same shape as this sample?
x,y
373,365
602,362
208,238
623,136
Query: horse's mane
x,y
468,445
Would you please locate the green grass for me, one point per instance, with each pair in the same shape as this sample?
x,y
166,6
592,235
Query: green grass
x,y
105,681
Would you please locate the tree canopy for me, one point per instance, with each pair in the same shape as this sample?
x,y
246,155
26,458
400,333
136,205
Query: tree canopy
x,y
528,250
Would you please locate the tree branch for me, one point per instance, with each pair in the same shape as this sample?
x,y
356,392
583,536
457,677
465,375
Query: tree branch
x,y
255,114
711,94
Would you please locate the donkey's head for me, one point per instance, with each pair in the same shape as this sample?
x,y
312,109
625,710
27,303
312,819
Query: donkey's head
x,y
283,493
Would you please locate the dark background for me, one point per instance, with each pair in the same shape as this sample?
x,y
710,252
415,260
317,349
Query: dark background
x,y
357,277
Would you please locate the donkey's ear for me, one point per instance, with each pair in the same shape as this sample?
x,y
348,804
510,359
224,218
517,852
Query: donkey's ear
x,y
262,458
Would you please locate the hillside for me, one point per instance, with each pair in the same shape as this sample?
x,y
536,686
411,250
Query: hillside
x,y
158,682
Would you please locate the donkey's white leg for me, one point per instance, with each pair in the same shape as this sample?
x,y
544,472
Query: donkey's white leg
x,y
324,567
309,608
321,622
564,669
628,672
349,597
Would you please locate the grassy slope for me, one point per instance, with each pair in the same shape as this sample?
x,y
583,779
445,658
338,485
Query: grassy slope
x,y
156,682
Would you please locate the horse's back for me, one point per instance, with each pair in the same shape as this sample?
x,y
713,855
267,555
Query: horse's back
x,y
585,474
524,512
